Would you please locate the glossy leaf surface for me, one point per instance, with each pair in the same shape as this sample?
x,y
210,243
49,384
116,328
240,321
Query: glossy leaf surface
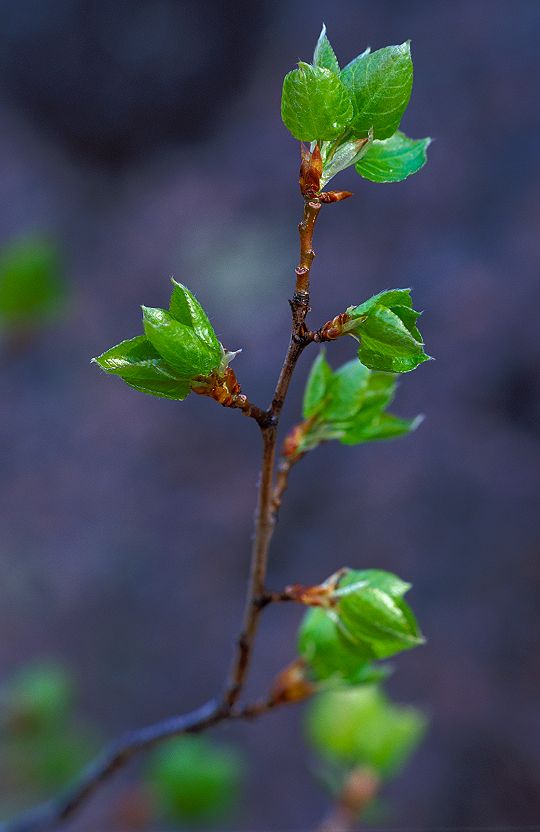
x,y
324,56
393,159
389,338
348,405
315,104
380,85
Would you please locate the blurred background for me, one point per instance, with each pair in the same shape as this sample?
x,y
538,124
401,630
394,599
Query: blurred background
x,y
143,140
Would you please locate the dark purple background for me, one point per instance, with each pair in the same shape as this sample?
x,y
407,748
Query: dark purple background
x,y
146,136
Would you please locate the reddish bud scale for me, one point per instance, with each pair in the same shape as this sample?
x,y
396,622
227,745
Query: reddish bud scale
x,y
321,595
334,328
311,169
224,389
292,684
293,440
334,196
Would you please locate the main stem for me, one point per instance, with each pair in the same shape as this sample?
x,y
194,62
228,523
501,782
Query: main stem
x,y
265,516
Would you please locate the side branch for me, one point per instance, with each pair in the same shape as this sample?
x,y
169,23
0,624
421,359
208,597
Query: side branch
x,y
118,753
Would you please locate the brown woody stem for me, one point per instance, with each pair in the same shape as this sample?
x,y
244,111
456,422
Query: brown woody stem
x,y
265,515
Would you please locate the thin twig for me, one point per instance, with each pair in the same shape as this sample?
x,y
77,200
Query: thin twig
x,y
118,753
359,791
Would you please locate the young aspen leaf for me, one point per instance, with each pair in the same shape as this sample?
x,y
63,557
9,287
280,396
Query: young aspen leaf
x,y
178,349
348,405
331,657
317,386
347,154
393,159
380,85
359,726
372,609
324,56
315,104
364,617
386,327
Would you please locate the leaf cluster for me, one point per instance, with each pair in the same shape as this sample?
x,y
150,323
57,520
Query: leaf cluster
x,y
386,327
360,726
348,405
366,618
178,352
353,114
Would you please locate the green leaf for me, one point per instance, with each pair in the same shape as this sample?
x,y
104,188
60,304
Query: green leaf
x,y
175,390
179,344
349,405
324,56
347,154
380,85
40,696
393,159
317,386
329,655
387,344
31,282
195,780
346,392
186,309
359,726
315,104
140,365
386,327
136,358
376,578
380,427
371,613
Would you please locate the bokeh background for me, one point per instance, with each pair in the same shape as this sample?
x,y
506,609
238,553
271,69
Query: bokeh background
x,y
145,138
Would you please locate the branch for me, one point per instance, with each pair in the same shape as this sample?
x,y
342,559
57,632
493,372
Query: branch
x,y
117,754
228,394
265,517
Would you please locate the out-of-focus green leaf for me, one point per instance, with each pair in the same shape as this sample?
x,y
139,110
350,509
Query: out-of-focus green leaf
x,y
50,758
324,56
315,104
195,780
39,696
359,726
32,286
380,85
393,159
